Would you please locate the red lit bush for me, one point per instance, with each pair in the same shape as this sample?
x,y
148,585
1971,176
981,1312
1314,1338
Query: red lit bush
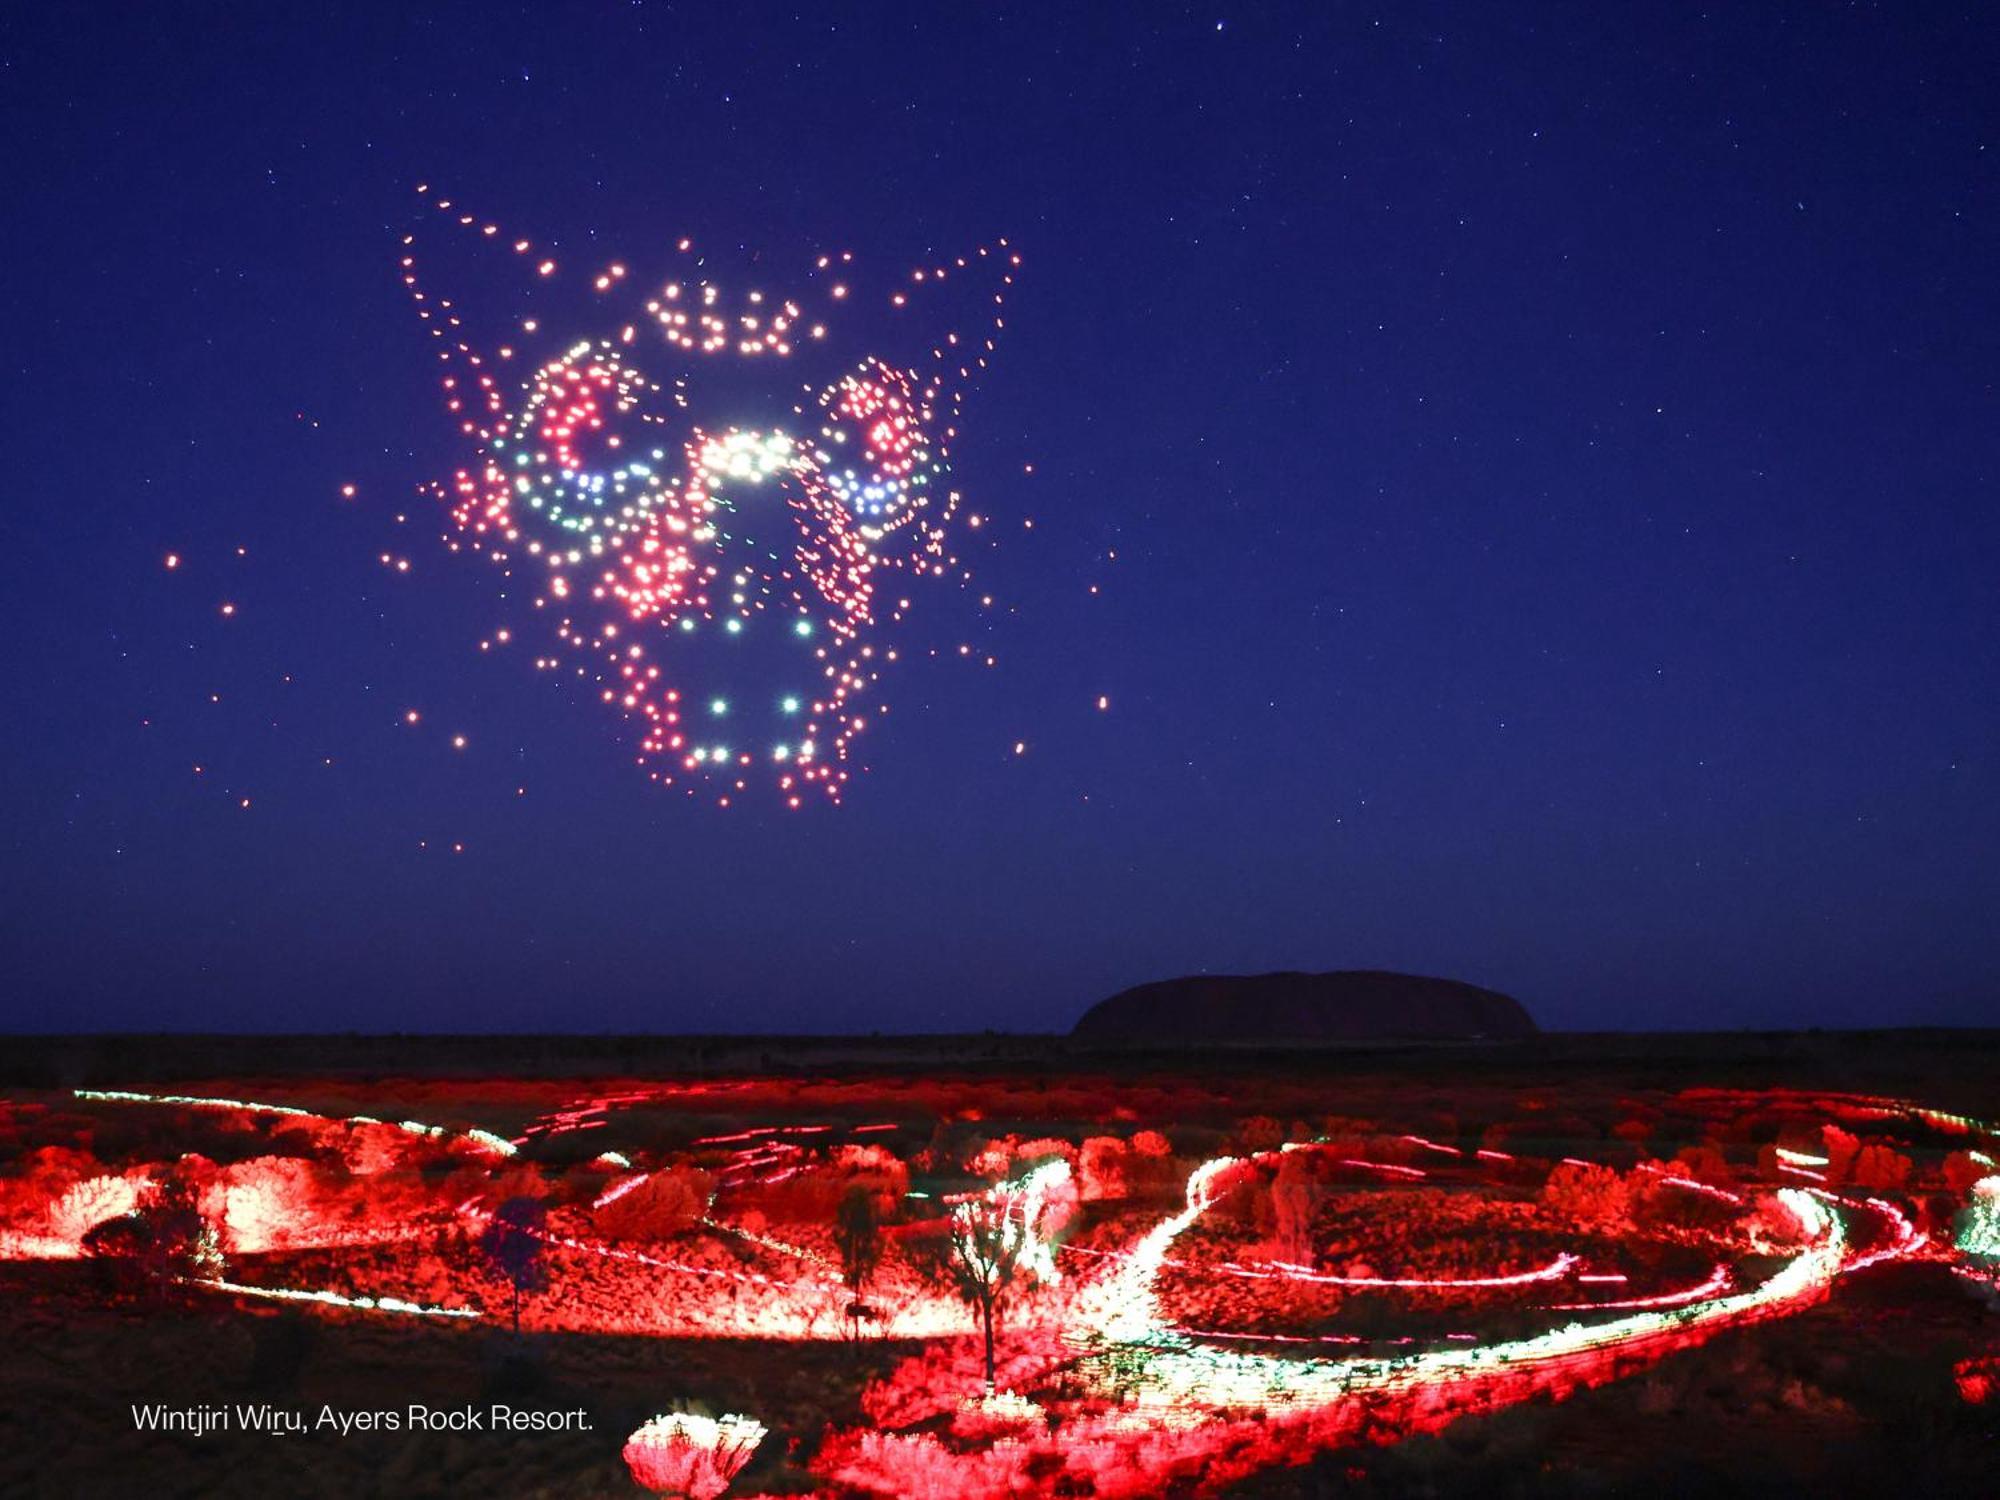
x,y
1879,1168
686,1455
1587,1193
662,1204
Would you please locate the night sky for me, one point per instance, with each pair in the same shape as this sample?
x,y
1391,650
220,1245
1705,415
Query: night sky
x,y
1549,455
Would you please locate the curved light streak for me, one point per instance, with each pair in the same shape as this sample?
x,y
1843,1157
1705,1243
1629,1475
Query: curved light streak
x,y
485,1140
1131,1348
336,1299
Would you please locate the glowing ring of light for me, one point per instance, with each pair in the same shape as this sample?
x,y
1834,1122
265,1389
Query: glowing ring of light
x,y
1132,1351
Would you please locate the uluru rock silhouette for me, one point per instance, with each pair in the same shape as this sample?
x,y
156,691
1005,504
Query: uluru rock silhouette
x,y
1348,1005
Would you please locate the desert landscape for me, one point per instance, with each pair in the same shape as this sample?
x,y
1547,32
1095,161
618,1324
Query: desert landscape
x,y
1554,1265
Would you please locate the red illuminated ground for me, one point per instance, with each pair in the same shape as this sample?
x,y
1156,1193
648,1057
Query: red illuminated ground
x,y
1269,1283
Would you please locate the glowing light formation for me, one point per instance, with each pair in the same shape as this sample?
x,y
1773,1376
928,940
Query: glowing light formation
x,y
484,1140
685,561
1139,1372
337,1299
1134,1349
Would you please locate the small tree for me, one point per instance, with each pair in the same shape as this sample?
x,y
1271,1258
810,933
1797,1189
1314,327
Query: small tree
x,y
857,1237
998,1237
165,1241
512,1245
189,1246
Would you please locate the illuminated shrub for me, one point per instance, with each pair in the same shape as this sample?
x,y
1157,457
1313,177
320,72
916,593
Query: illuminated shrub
x,y
164,1240
876,1171
1880,1168
519,1179
1841,1150
990,1159
1587,1193
1964,1168
683,1454
1771,1227
1978,1225
1704,1163
269,1202
655,1206
1006,1155
1978,1380
1661,1202
1150,1167
933,1381
368,1148
1002,1415
90,1203
808,1188
1101,1168
918,1464
1044,1148
121,1239
1259,1133
42,1177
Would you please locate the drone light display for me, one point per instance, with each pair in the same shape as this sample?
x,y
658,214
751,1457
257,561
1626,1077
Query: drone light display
x,y
719,550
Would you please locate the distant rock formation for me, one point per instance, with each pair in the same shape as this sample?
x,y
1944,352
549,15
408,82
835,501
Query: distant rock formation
x,y
1350,1005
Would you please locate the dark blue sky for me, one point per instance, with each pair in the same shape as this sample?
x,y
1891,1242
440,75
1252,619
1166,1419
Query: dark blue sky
x,y
1550,453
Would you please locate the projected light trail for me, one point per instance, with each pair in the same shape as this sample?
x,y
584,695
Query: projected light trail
x,y
1408,1298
